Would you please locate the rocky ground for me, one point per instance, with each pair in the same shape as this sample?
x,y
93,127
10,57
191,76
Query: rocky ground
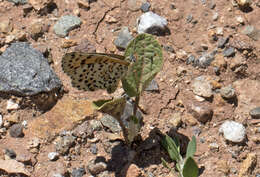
x,y
208,87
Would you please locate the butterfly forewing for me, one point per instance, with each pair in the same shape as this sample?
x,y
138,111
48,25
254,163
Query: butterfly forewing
x,y
93,71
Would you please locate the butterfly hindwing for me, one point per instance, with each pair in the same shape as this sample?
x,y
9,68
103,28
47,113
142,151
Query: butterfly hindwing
x,y
93,71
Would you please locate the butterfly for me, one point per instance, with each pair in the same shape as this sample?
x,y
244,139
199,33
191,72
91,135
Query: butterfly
x,y
93,71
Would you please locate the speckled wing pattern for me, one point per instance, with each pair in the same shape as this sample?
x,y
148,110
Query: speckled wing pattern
x,y
93,71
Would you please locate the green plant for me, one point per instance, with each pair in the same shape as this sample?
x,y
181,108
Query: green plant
x,y
145,54
187,166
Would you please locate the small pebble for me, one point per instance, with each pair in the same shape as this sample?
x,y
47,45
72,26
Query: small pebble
x,y
227,92
53,156
96,168
189,18
78,172
229,52
93,148
10,153
145,7
233,131
11,105
16,131
255,113
123,38
222,42
215,16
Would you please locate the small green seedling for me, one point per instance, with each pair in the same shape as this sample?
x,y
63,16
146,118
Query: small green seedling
x,y
145,54
187,166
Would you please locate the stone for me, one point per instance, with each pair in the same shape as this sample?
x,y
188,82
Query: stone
x,y
93,148
145,6
123,38
41,5
153,86
65,115
152,23
240,19
78,172
133,171
189,18
16,131
53,156
65,24
220,62
201,111
222,42
248,165
233,131
36,30
134,5
214,147
18,2
11,105
229,52
254,113
205,60
228,92
251,32
5,26
244,3
111,123
10,153
176,120
85,46
25,72
96,168
64,143
215,16
202,87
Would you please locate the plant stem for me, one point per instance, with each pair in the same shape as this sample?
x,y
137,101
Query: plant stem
x,y
137,99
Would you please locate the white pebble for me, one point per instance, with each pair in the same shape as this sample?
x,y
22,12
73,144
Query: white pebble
x,y
11,105
233,131
150,20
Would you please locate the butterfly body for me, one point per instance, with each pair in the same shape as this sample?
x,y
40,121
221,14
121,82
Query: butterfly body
x,y
93,71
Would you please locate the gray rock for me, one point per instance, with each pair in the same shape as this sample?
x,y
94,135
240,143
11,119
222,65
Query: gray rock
x,y
201,86
104,174
233,131
153,86
145,7
93,148
196,131
128,111
123,38
189,18
95,125
96,168
255,113
85,129
53,156
10,153
151,23
111,123
251,32
229,52
227,92
78,172
212,5
222,42
205,60
65,24
25,72
64,143
18,1
190,59
16,131
168,48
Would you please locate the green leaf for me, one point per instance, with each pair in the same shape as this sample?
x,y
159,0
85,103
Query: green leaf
x,y
190,168
114,107
191,147
171,148
134,128
148,60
